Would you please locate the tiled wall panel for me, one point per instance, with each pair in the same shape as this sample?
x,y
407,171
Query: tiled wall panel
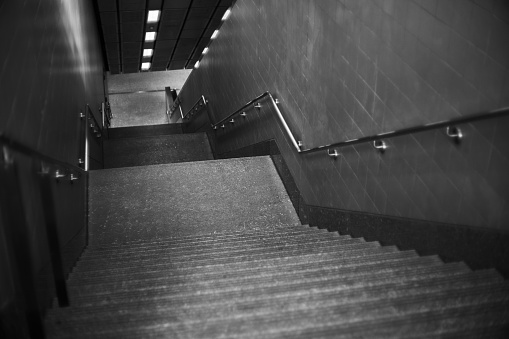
x,y
352,68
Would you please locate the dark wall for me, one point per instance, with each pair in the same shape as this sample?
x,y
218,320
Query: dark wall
x,y
346,69
51,67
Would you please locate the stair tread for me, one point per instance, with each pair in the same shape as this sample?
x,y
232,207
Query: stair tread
x,y
179,199
246,259
391,265
266,286
379,263
225,242
282,231
191,253
335,307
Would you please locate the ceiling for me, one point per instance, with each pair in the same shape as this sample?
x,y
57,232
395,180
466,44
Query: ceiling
x,y
183,31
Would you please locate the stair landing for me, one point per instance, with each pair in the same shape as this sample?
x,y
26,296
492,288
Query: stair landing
x,y
149,202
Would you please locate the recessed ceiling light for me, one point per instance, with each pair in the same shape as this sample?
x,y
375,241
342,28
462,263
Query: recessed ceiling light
x,y
197,64
150,36
226,15
205,51
153,16
147,52
214,35
145,66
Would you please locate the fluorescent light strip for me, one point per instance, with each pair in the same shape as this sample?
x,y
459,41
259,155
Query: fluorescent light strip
x,y
214,35
145,66
197,64
153,16
226,14
148,52
205,51
150,36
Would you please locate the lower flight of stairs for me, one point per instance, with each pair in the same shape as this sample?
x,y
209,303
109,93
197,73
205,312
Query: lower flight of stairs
x,y
214,249
286,282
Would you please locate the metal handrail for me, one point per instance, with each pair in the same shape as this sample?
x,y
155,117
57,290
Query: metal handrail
x,y
452,131
275,102
9,143
449,124
201,102
96,124
174,106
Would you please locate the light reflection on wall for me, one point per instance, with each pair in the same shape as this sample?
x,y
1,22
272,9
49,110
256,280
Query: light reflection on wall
x,y
72,12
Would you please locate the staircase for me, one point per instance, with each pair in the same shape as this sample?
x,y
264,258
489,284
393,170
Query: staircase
x,y
214,249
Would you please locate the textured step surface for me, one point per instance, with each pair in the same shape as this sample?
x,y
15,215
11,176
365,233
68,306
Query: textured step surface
x,y
157,149
214,249
194,287
144,131
151,202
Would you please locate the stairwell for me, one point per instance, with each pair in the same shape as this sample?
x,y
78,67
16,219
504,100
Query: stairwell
x,y
184,246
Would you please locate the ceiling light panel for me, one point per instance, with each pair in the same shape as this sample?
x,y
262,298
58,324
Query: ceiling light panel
x,y
153,16
147,52
226,14
150,36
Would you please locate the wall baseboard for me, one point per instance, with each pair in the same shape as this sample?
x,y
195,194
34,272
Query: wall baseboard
x,y
479,248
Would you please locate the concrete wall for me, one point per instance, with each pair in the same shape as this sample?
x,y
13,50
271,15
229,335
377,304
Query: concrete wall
x,y
350,68
148,106
51,67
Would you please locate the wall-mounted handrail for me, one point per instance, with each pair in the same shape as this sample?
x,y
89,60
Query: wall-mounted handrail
x,y
415,129
200,103
274,102
174,106
95,126
14,145
452,131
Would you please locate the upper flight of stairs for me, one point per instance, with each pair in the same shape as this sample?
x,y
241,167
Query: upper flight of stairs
x,y
214,249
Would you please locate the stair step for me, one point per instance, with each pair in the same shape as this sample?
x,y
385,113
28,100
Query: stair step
x,y
229,243
389,261
156,149
218,282
204,289
144,131
243,249
220,238
461,322
279,229
251,318
389,265
326,251
286,302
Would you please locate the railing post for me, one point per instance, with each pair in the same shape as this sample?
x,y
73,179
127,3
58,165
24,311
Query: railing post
x,y
17,241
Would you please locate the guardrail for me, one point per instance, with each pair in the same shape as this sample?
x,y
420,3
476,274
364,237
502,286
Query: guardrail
x,y
16,229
